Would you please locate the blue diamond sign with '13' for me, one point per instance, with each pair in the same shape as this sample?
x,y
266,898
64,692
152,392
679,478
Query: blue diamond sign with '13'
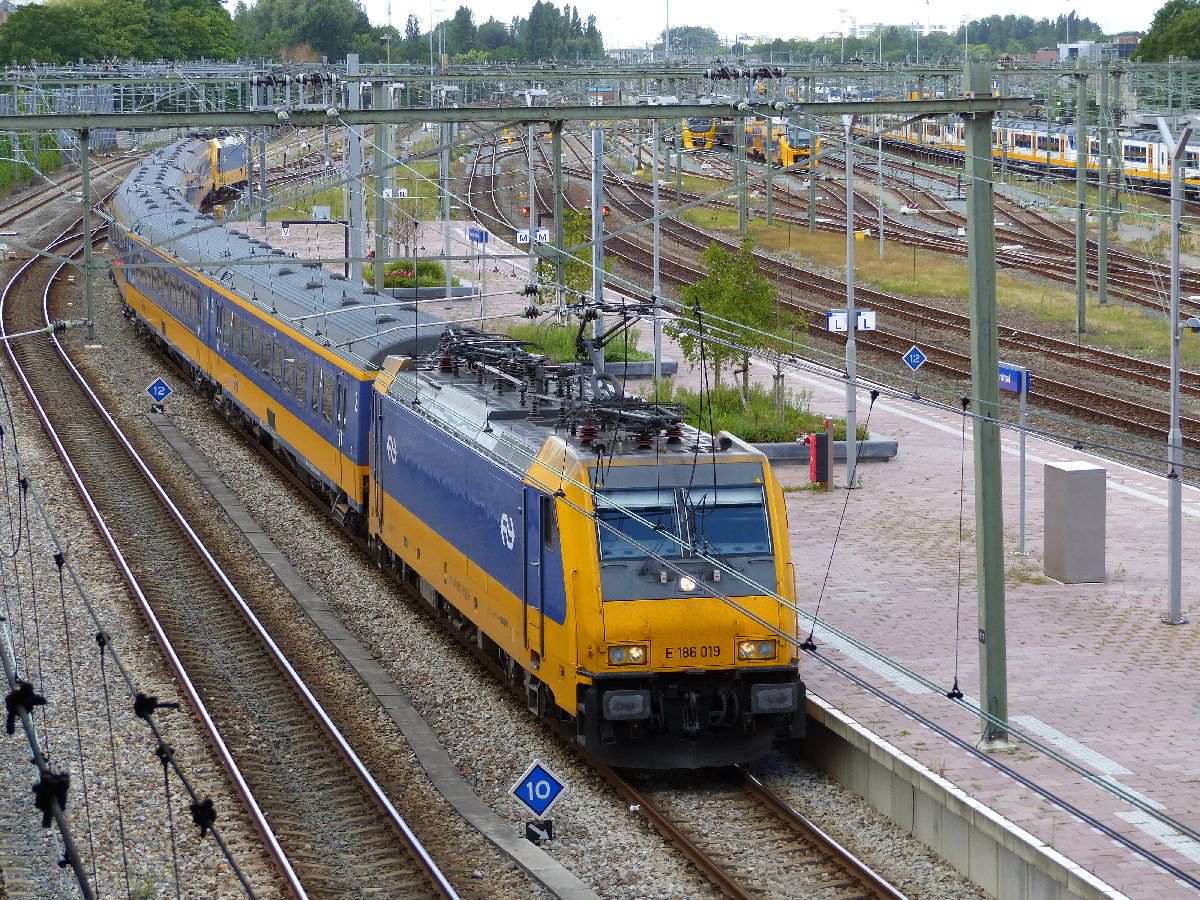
x,y
538,789
159,390
914,358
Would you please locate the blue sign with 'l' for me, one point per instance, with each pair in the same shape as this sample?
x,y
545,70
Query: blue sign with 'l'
x,y
159,390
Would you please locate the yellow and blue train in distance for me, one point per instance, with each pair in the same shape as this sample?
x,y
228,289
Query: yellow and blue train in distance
x,y
1047,146
790,144
623,568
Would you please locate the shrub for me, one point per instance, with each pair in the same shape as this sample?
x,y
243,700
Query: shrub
x,y
758,421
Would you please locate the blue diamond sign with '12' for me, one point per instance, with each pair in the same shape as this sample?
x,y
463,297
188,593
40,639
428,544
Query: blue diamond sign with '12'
x,y
538,789
159,390
914,358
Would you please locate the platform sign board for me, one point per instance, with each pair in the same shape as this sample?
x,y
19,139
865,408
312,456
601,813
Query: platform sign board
x,y
522,235
538,789
836,320
542,235
1014,379
159,390
477,235
915,358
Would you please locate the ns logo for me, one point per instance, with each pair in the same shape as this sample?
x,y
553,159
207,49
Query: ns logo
x,y
391,449
508,531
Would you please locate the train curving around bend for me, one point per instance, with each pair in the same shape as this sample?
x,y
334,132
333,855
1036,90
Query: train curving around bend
x,y
623,568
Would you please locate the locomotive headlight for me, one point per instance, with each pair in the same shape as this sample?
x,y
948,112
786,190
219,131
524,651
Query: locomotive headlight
x,y
627,655
687,583
756,649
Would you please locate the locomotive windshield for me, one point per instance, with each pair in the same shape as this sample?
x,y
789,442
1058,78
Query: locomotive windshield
x,y
798,137
627,537
699,124
727,521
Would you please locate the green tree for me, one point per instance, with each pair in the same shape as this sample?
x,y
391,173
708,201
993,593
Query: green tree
x,y
1175,31
577,270
65,30
739,305
273,27
460,34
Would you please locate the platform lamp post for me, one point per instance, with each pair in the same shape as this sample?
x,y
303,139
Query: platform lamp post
x,y
1174,616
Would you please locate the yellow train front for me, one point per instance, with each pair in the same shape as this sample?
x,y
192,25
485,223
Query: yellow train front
x,y
617,564
790,144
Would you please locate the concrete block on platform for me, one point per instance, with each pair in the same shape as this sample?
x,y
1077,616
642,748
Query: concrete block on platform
x,y
1075,522
881,448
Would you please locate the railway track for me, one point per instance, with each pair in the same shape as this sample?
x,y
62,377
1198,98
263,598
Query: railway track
x,y
745,838
326,823
1090,405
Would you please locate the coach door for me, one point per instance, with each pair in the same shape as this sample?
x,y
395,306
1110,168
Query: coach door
x,y
535,637
377,454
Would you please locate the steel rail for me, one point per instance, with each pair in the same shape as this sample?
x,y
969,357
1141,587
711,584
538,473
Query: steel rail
x,y
425,861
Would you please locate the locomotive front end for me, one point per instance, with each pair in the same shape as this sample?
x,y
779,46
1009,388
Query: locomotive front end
x,y
689,663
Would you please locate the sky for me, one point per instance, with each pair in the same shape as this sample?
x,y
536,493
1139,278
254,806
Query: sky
x,y
634,23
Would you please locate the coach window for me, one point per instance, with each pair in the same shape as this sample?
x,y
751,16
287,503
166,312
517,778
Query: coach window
x,y
327,379
1135,153
1024,141
289,374
278,363
318,375
253,345
266,354
301,380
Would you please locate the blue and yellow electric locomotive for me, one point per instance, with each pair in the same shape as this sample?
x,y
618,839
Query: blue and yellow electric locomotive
x,y
622,567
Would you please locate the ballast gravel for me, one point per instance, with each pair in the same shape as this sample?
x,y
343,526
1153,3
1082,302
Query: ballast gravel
x,y
487,732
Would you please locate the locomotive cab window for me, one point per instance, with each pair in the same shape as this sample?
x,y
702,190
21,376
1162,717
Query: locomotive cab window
x,y
625,537
728,521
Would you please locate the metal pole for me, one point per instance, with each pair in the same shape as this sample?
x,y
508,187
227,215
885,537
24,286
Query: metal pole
x,y
249,168
1174,614
358,211
767,170
739,127
851,315
881,179
657,284
86,190
529,138
444,179
598,239
262,177
1024,399
812,178
382,179
1115,161
1081,155
1102,187
989,510
560,273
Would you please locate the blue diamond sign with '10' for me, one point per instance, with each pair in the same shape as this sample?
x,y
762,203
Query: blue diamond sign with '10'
x,y
159,390
914,358
538,789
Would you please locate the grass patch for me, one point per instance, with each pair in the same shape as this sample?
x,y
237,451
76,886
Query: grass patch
x,y
759,421
558,343
418,178
400,274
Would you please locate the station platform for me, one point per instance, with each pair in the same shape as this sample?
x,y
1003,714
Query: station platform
x,y
1093,672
